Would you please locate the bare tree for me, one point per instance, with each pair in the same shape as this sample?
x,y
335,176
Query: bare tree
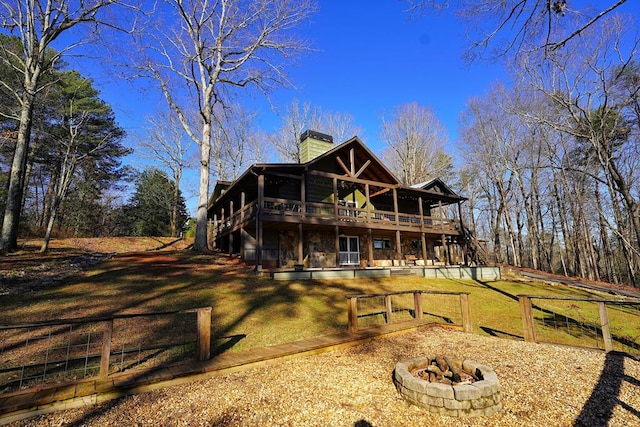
x,y
583,85
415,141
299,118
166,142
38,23
517,25
200,49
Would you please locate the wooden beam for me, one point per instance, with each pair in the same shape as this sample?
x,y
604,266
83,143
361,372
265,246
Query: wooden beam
x,y
351,179
362,169
343,166
352,160
377,193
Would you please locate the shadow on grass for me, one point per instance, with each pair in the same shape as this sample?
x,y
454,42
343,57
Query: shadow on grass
x,y
548,316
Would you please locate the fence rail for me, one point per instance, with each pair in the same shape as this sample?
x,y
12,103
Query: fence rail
x,y
375,309
64,350
607,324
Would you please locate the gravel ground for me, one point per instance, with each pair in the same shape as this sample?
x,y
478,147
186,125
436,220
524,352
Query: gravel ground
x,y
542,385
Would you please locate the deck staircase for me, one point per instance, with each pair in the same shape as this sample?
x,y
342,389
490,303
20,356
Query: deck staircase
x,y
476,249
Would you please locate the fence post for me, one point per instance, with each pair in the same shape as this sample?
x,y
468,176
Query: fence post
x,y
106,349
526,312
353,314
604,324
204,333
387,303
417,304
466,313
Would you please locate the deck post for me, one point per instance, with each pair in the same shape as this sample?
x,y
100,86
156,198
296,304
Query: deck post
x,y
604,324
204,333
242,231
417,303
106,348
215,231
395,206
303,195
260,207
370,247
526,312
423,239
465,246
337,243
353,314
466,313
335,198
300,246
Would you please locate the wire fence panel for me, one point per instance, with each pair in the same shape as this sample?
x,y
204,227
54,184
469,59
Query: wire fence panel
x,y
624,323
442,308
41,355
402,307
371,311
427,306
568,322
606,324
149,341
70,350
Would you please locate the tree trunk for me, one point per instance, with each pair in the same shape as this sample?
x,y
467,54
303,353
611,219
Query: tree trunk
x,y
52,219
200,243
13,208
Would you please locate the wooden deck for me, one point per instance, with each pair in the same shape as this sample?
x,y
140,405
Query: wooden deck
x,y
28,403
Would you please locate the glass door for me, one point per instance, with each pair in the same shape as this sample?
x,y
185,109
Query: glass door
x,y
349,252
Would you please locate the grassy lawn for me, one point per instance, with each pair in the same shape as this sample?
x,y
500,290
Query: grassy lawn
x,y
251,311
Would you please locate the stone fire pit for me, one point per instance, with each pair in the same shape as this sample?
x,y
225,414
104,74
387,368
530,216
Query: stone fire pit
x,y
473,391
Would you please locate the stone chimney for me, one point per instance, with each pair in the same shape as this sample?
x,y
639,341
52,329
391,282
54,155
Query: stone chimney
x,y
314,144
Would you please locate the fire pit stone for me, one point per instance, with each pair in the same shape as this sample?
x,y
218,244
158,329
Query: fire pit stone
x,y
477,398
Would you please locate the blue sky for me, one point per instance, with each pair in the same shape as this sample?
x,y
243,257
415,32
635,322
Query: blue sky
x,y
369,57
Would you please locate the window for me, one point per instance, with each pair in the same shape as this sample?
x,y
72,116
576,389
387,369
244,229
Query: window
x,y
381,243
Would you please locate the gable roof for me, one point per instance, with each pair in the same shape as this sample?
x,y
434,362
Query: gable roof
x,y
435,185
353,159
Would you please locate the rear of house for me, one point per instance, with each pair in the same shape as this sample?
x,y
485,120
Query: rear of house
x,y
340,207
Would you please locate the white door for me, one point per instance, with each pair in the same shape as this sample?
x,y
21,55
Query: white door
x,y
349,252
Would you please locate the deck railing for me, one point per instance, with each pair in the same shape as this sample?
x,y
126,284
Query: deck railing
x,y
607,324
68,350
370,310
330,212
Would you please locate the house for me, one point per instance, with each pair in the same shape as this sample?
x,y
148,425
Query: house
x,y
340,207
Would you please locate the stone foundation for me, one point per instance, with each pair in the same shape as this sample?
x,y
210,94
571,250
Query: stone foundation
x,y
480,398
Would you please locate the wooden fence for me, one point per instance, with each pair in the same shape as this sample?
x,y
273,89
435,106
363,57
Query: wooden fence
x,y
396,307
65,350
608,324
